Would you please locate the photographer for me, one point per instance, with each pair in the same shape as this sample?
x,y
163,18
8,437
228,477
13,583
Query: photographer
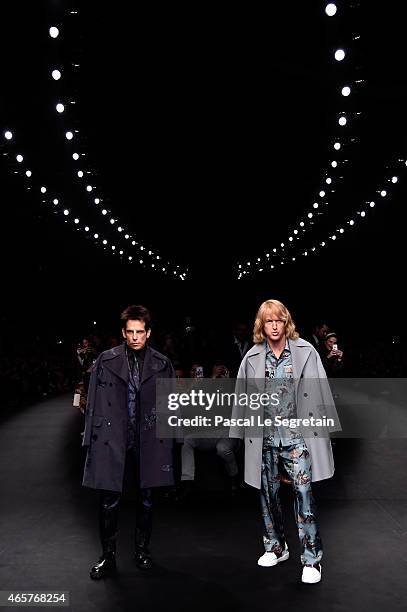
x,y
331,355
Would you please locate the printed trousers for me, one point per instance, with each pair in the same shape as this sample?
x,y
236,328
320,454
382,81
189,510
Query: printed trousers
x,y
297,463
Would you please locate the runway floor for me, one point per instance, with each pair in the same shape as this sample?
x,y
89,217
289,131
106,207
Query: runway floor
x,y
205,552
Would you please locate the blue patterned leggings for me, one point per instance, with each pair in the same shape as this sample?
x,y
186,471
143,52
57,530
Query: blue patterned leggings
x,y
297,463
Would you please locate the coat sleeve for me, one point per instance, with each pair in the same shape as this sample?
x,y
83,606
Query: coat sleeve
x,y
239,411
90,404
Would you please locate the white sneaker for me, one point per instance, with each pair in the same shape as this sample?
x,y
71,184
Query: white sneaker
x,y
270,558
310,574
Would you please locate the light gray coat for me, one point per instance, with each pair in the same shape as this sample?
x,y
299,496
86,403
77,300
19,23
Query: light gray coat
x,y
313,398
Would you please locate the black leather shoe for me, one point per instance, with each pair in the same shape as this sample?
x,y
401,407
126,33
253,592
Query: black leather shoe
x,y
106,566
143,559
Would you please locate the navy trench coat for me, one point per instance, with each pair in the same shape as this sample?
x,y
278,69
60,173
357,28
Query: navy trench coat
x,y
106,421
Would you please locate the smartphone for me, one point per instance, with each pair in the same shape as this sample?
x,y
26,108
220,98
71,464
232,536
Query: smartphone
x,y
199,372
334,347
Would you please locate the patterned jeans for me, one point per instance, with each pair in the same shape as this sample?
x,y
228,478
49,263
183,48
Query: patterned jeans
x,y
296,461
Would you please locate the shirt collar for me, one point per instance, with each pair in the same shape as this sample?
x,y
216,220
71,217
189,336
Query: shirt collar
x,y
269,351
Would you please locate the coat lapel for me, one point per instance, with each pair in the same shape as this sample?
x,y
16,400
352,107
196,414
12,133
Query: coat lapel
x,y
151,365
257,362
300,351
116,362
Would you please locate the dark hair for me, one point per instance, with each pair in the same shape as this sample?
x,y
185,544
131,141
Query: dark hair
x,y
136,313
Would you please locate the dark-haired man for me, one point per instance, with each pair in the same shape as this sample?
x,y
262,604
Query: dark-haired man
x,y
120,434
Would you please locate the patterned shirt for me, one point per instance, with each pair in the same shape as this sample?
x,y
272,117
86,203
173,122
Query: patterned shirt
x,y
279,379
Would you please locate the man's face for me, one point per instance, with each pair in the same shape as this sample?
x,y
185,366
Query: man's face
x,y
274,327
322,331
135,334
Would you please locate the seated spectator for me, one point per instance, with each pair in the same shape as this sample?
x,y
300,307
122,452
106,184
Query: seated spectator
x,y
225,448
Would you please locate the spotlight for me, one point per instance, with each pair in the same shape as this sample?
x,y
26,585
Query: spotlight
x,y
104,241
363,214
75,156
310,215
89,188
97,201
8,135
383,193
342,121
328,181
337,146
53,32
86,228
334,164
315,205
60,107
104,211
339,55
330,9
80,173
345,91
372,204
19,158
28,173
76,221
43,189
68,135
66,212
322,193
56,75
55,201
394,179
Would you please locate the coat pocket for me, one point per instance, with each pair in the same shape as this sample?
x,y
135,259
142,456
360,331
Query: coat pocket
x,y
97,421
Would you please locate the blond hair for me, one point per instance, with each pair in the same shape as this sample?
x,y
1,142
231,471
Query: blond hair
x,y
278,309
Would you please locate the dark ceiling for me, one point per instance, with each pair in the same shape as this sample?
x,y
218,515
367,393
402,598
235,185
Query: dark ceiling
x,y
207,128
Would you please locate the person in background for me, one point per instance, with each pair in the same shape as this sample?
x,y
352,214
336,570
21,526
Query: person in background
x,y
331,355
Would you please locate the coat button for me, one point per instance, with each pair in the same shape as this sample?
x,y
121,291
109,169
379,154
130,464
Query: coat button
x,y
305,394
310,414
110,384
250,442
315,433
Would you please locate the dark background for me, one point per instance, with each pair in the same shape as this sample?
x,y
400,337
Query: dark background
x,y
208,130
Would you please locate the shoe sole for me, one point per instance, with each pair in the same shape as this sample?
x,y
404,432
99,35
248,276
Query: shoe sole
x,y
283,557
